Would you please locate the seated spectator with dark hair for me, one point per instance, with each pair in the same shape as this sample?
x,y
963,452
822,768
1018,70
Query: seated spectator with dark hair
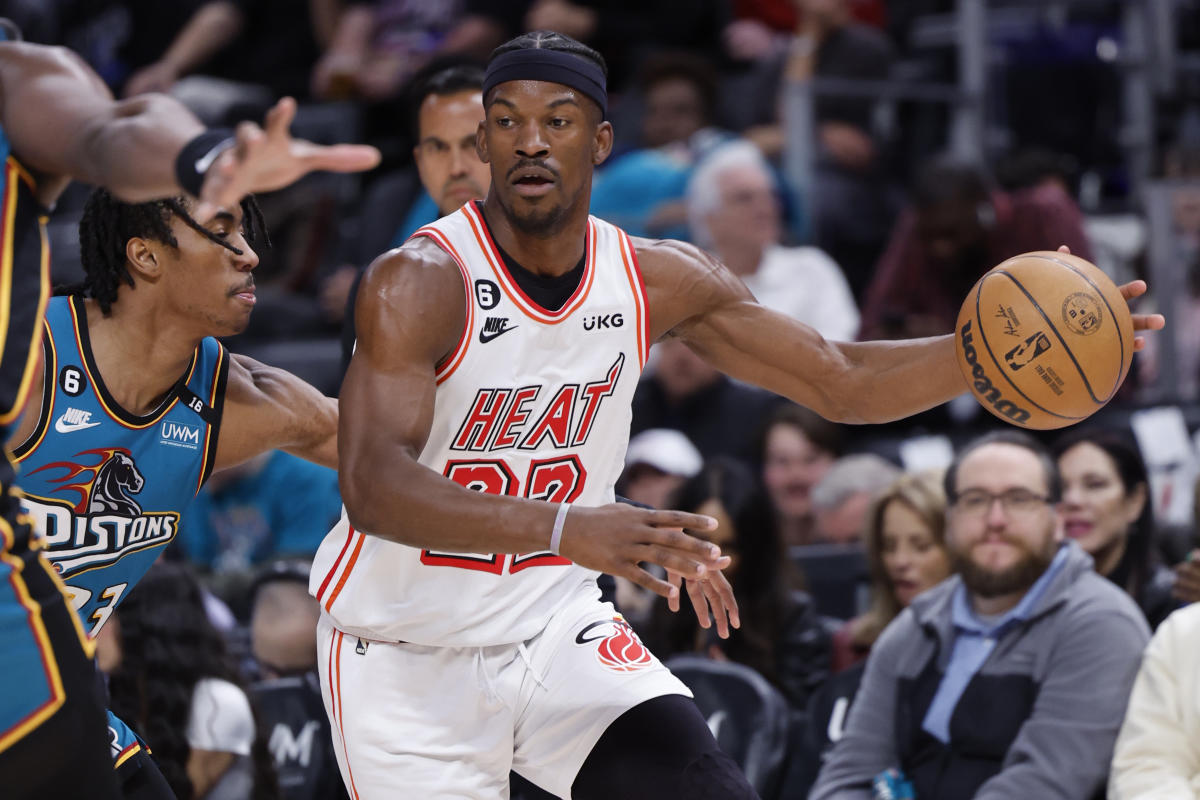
x,y
797,448
1010,679
170,675
781,636
957,227
1106,509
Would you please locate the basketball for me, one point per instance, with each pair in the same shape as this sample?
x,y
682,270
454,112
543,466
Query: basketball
x,y
1044,340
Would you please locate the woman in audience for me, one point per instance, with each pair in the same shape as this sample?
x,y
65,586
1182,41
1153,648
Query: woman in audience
x,y
797,448
172,680
1105,507
906,553
781,636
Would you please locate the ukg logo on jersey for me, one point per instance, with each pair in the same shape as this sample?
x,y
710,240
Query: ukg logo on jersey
x,y
96,519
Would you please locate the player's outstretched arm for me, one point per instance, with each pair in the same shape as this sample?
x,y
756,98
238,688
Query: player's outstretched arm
x,y
63,122
694,297
410,314
267,408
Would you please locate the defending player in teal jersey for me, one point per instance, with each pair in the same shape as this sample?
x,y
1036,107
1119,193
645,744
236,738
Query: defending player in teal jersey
x,y
58,122
139,403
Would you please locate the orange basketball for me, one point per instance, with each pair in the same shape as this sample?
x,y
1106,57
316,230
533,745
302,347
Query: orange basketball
x,y
1044,340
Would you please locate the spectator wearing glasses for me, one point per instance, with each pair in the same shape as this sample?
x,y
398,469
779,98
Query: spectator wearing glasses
x,y
1009,679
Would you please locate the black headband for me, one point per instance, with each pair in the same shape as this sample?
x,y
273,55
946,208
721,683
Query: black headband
x,y
552,66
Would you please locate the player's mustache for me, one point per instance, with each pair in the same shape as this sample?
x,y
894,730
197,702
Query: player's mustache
x,y
245,287
532,163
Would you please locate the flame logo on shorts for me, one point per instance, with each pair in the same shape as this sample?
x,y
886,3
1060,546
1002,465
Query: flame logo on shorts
x,y
620,650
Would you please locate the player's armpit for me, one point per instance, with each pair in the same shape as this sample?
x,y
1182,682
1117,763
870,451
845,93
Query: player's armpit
x,y
267,408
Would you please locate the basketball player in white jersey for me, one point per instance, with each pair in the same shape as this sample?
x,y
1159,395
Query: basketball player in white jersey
x,y
484,419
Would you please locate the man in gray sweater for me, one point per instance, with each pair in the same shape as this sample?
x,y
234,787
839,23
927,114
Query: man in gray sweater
x,y
1010,679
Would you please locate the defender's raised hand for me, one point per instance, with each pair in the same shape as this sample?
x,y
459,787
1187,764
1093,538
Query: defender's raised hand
x,y
266,158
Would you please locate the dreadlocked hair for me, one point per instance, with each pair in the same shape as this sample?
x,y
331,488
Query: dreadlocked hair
x,y
549,40
108,224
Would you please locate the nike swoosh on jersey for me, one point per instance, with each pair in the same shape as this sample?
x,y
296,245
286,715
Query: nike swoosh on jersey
x,y
62,426
485,337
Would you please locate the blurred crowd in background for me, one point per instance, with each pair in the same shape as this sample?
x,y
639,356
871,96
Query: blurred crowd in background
x,y
851,160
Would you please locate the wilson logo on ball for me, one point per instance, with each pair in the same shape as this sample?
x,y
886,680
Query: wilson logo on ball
x,y
985,390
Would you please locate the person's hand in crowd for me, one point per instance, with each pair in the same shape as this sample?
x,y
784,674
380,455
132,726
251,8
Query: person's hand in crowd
x,y
1187,579
157,77
748,40
335,292
335,77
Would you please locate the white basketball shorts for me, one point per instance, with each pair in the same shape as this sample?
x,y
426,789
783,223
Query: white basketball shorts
x,y
413,721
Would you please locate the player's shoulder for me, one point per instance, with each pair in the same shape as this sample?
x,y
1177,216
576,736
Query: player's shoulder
x,y
672,256
683,270
420,263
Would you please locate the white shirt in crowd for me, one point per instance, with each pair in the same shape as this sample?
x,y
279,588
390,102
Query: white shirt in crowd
x,y
808,286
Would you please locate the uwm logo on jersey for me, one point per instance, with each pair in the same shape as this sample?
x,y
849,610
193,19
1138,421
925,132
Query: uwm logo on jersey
x,y
499,419
97,520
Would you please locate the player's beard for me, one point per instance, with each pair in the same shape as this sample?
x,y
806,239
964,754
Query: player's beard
x,y
985,582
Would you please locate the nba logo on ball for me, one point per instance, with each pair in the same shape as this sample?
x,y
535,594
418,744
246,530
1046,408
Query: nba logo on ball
x,y
1069,360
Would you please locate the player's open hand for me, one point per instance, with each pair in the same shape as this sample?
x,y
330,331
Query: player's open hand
x,y
1141,322
619,539
712,598
268,158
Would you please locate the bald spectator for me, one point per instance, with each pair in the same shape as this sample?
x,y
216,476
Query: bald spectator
x,y
842,498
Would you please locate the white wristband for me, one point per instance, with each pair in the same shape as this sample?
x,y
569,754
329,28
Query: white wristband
x,y
559,519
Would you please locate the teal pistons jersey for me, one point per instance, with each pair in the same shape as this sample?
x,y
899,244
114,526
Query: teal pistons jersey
x,y
104,488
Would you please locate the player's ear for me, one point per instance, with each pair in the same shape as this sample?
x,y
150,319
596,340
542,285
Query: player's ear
x,y
603,142
142,258
481,142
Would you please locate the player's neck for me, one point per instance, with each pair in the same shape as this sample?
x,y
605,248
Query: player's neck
x,y
139,359
554,254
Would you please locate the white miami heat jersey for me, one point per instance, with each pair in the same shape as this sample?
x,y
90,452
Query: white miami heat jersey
x,y
532,403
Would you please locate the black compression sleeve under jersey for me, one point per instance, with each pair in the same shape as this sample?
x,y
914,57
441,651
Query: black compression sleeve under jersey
x,y
551,292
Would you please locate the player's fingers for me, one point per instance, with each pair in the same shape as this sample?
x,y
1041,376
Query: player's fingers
x,y
680,519
279,118
1133,289
340,157
674,579
720,584
716,603
1149,322
1062,248
670,559
648,581
696,595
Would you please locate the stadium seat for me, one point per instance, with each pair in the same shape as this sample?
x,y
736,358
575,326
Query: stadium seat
x,y
296,727
748,716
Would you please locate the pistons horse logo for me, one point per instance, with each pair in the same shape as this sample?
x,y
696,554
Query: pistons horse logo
x,y
103,487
